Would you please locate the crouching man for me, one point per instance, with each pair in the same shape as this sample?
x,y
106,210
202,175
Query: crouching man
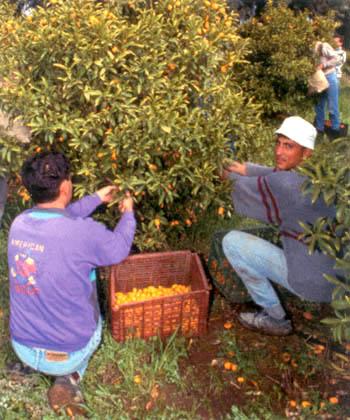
x,y
53,250
274,196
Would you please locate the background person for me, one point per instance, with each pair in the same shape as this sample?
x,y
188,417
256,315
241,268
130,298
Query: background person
x,y
274,196
327,61
53,250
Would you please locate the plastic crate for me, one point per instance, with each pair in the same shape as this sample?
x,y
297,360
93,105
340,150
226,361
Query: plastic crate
x,y
186,313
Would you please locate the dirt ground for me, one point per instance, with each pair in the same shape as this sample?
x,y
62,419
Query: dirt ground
x,y
297,375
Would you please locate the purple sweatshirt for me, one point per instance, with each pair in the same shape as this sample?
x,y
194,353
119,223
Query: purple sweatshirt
x,y
52,256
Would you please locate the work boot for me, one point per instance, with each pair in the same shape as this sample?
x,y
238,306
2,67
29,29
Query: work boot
x,y
65,394
332,134
262,321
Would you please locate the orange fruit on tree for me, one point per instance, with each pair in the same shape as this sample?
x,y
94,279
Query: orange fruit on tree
x,y
171,66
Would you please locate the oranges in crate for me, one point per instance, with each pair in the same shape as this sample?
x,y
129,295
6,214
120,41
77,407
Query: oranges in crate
x,y
142,321
158,294
150,292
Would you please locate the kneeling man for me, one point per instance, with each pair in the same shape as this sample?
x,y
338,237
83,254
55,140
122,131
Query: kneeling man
x,y
53,251
274,196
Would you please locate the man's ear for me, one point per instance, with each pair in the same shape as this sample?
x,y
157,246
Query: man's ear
x,y
63,187
307,153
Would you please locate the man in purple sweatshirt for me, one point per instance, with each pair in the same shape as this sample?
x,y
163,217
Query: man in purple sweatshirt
x,y
274,196
53,251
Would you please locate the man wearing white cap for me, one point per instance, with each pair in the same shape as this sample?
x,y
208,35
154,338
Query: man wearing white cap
x,y
273,195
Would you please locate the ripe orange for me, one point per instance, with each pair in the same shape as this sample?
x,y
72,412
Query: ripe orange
x,y
308,316
221,211
171,66
137,379
227,365
228,325
319,348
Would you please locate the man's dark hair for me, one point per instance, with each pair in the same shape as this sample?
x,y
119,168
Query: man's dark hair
x,y
43,174
336,35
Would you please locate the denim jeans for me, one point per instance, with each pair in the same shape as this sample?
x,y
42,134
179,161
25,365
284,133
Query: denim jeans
x,y
258,262
77,361
330,97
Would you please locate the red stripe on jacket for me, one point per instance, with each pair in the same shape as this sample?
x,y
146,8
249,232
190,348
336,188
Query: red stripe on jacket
x,y
274,202
264,200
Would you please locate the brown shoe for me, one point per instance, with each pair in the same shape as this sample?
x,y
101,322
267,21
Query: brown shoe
x,y
65,394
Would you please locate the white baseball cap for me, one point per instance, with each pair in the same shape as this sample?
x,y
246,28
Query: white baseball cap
x,y
299,130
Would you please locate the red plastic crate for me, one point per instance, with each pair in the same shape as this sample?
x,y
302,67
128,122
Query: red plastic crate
x,y
187,312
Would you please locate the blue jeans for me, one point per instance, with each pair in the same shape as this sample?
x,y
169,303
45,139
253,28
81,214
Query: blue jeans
x,y
76,361
258,262
330,97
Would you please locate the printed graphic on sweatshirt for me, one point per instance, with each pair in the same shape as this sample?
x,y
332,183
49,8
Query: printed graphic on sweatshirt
x,y
24,271
31,246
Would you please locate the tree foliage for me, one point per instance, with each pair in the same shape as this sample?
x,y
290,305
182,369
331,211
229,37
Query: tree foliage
x,y
281,57
329,177
140,95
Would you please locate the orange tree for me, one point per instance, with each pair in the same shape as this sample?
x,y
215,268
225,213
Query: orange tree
x,y
329,177
281,57
139,94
